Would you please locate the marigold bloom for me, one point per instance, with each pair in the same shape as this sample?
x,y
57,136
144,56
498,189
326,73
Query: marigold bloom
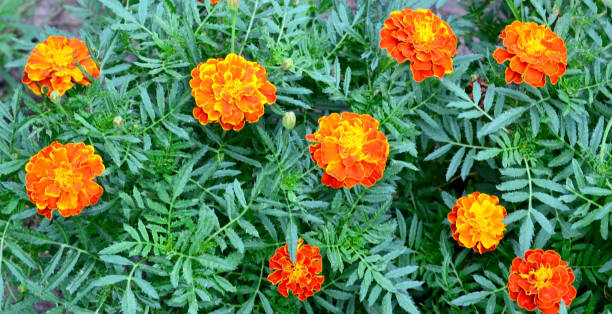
x,y
423,38
211,1
53,64
301,277
534,51
60,177
350,149
229,91
541,280
476,222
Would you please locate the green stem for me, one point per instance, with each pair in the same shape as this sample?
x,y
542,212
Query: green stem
x,y
234,14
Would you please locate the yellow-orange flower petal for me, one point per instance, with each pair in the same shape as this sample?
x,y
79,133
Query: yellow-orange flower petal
x,y
302,277
230,91
423,38
476,222
541,280
61,177
534,51
350,148
211,1
53,64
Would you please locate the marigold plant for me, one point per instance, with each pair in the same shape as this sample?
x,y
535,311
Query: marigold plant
x,y
53,64
422,38
230,91
476,221
300,277
541,280
350,148
61,177
534,51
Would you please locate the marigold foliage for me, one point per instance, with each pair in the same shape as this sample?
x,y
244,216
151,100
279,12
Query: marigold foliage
x,y
230,91
53,65
476,222
541,280
350,148
534,52
191,215
422,38
300,277
61,177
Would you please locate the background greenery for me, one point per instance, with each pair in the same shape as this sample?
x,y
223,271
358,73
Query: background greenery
x,y
191,215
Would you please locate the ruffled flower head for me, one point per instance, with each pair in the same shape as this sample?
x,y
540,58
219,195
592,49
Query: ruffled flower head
x,y
534,51
541,280
61,177
476,222
350,148
302,277
230,91
423,38
53,64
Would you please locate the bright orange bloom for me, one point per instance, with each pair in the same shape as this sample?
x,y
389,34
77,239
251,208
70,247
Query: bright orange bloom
x,y
60,177
423,38
350,149
211,1
541,280
476,221
229,91
53,64
534,51
301,277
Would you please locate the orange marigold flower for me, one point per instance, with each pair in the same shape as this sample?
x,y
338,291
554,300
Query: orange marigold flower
x,y
229,91
541,280
211,1
476,221
60,177
534,51
423,38
53,64
301,277
350,148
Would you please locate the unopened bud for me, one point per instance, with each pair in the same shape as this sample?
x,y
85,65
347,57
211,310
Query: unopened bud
x,y
287,64
118,121
233,4
289,120
55,97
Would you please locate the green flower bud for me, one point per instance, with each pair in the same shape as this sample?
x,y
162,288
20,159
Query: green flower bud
x,y
233,4
55,97
287,64
118,121
289,120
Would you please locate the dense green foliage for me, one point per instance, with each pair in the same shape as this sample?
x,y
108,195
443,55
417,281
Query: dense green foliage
x,y
191,214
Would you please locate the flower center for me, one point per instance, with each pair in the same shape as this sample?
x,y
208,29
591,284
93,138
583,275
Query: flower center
x,y
532,42
297,272
540,277
65,176
63,56
233,88
352,137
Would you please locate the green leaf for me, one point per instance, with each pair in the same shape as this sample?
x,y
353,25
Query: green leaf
x,y
550,201
384,281
501,121
11,166
405,301
470,298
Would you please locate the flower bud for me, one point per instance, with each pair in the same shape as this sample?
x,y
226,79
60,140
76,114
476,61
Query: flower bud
x,y
118,121
55,97
233,4
287,64
289,120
